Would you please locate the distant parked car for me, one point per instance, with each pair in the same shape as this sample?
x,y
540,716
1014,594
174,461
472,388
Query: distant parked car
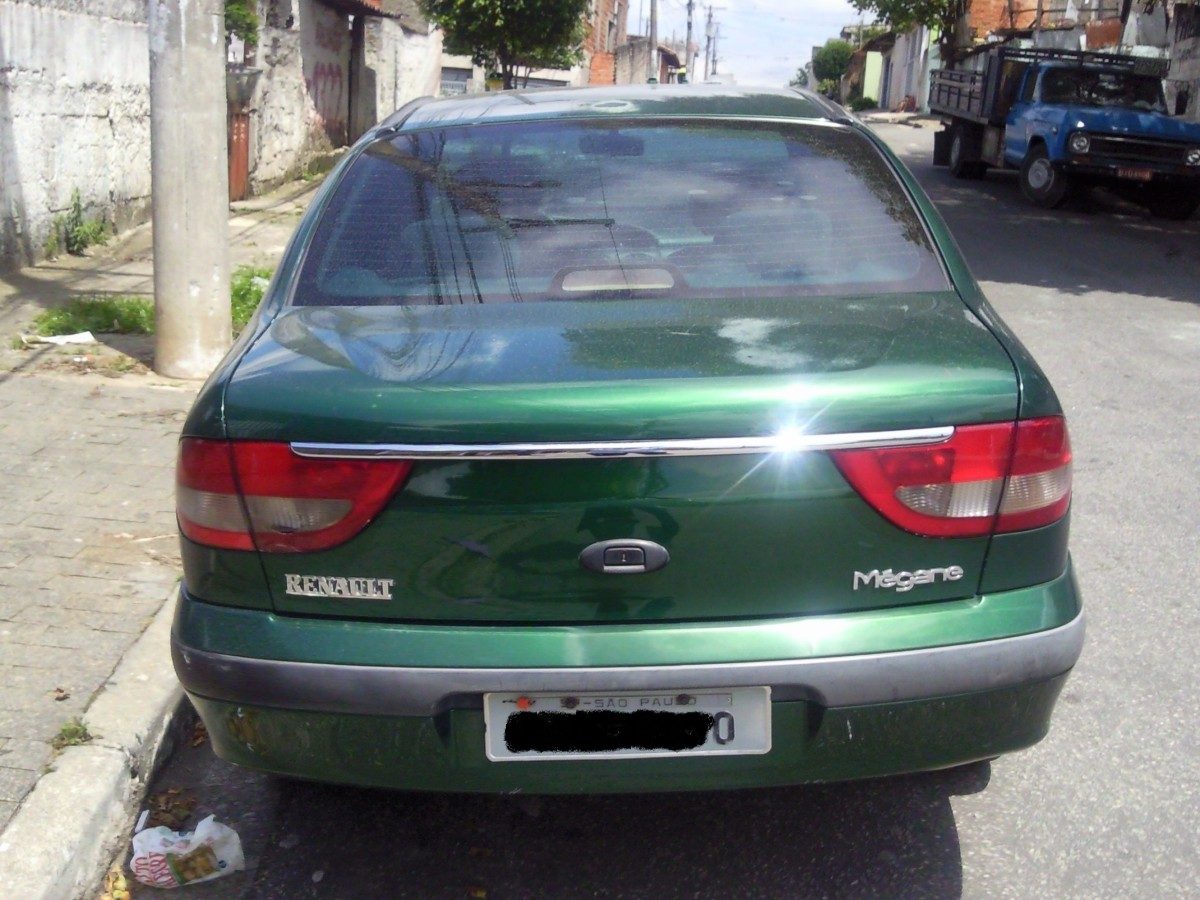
x,y
631,439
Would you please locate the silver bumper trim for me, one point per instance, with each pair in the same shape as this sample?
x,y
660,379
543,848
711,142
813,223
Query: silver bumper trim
x,y
829,681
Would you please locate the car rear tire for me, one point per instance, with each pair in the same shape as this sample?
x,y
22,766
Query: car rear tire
x,y
964,155
1173,203
1041,183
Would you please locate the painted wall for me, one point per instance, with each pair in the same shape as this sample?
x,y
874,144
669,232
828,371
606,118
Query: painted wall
x,y
400,64
74,114
909,61
606,32
872,75
325,53
75,107
1185,53
633,62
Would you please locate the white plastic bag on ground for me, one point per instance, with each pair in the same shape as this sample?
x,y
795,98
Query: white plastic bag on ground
x,y
166,859
82,337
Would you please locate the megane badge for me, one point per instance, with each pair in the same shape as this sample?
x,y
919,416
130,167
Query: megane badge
x,y
905,581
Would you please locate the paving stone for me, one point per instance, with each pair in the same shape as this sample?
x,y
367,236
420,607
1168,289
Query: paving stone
x,y
143,607
16,783
76,637
122,551
94,621
18,631
86,469
23,754
31,722
12,515
10,605
48,521
37,657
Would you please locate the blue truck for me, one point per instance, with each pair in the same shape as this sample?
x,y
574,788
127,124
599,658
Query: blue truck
x,y
1068,118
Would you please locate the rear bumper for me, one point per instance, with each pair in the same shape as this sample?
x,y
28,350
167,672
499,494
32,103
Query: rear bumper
x,y
856,680
810,743
857,695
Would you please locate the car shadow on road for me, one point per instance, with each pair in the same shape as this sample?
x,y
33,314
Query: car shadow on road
x,y
1095,242
886,837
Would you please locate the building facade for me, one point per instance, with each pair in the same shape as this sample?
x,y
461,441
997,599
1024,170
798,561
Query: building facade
x,y
605,33
75,100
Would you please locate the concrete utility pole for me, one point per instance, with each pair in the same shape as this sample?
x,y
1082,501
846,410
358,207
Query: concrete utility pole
x,y
189,179
708,38
653,76
687,47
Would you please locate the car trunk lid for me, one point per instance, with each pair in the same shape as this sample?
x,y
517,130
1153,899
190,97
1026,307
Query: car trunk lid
x,y
748,534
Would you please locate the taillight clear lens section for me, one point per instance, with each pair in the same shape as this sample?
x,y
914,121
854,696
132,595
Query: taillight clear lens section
x,y
1038,490
1002,477
240,495
206,497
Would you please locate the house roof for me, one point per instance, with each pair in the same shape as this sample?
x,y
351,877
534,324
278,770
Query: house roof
x,y
408,12
357,7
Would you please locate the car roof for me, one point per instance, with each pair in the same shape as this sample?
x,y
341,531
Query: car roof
x,y
709,100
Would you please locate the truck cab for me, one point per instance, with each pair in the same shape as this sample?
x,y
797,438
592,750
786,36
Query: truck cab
x,y
1064,118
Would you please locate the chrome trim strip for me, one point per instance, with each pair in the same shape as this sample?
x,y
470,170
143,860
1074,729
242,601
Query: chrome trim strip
x,y
830,681
776,443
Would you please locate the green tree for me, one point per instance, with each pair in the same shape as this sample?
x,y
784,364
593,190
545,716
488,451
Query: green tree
x,y
831,61
241,19
942,16
507,36
800,79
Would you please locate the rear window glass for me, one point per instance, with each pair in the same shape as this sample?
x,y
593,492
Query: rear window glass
x,y
573,210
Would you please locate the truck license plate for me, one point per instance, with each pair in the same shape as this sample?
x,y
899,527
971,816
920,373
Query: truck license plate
x,y
708,722
1136,174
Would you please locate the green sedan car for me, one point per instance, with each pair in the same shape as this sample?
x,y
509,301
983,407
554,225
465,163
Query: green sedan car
x,y
631,439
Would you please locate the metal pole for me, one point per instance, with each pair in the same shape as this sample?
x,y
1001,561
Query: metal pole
x,y
708,36
189,178
716,34
687,47
653,40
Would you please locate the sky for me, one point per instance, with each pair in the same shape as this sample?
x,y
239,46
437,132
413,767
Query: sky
x,y
761,41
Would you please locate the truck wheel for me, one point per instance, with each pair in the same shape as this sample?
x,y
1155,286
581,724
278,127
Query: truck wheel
x,y
1177,204
963,163
1041,183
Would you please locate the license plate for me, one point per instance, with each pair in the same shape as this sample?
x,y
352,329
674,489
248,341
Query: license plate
x,y
1136,174
708,722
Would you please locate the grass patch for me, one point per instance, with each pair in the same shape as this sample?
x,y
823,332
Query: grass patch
x,y
112,315
135,315
72,734
246,290
73,231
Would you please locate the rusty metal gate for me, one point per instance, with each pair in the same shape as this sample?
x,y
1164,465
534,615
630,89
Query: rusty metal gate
x,y
239,156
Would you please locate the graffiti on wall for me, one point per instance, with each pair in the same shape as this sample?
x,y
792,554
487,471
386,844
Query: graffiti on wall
x,y
325,47
330,36
327,86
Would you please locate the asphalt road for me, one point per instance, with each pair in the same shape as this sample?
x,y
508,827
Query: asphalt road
x,y
1106,806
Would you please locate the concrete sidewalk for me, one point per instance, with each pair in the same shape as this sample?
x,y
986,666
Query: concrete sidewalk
x,y
89,551
912,119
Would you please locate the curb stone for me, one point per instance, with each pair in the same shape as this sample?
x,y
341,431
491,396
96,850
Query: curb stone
x,y
67,830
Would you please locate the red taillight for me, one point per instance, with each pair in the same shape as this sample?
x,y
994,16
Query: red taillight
x,y
1002,477
1038,491
240,495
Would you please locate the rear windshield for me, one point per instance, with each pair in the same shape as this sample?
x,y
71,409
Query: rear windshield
x,y
580,210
